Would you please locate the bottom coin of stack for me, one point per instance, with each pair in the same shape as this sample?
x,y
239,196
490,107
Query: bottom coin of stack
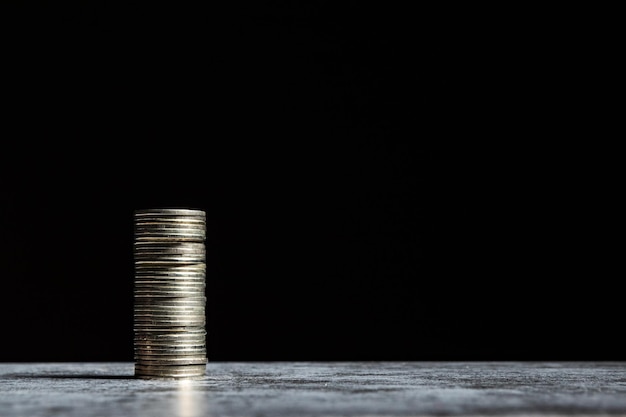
x,y
169,308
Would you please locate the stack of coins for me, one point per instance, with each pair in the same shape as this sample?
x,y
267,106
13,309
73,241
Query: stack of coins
x,y
169,294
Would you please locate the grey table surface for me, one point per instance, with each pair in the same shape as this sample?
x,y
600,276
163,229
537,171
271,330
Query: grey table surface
x,y
318,389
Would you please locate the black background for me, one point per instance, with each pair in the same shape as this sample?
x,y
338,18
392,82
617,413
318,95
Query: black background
x,y
381,183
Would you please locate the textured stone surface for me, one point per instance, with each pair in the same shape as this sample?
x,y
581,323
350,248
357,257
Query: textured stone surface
x,y
318,389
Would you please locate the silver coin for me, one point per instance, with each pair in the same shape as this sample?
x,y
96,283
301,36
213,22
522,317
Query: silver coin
x,y
169,320
170,238
165,310
146,228
149,276
173,221
155,306
185,320
187,246
173,308
158,252
199,309
196,284
165,280
166,296
164,251
169,329
172,259
166,247
170,349
168,333
142,315
170,369
168,275
161,342
191,291
198,287
160,346
168,337
173,270
167,304
160,282
151,372
169,345
174,302
165,335
169,307
144,214
168,324
169,311
159,359
171,353
169,259
171,359
159,219
165,360
173,349
198,269
190,377
170,269
143,346
181,307
145,231
145,234
169,224
195,343
170,211
142,318
172,289
161,231
171,362
196,233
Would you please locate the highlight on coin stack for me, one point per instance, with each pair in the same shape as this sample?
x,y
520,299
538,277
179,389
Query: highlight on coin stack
x,y
169,293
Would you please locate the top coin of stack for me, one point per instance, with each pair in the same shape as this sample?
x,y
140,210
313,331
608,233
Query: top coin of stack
x,y
169,311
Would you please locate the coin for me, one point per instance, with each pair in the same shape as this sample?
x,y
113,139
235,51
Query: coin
x,y
169,293
169,371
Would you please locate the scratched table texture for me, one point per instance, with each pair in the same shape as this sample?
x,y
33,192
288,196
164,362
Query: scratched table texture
x,y
319,389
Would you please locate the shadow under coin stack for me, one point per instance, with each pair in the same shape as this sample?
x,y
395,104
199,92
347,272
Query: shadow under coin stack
x,y
169,295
